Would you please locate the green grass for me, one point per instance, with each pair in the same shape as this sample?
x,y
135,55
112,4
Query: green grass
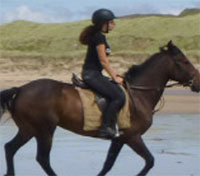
x,y
141,35
189,11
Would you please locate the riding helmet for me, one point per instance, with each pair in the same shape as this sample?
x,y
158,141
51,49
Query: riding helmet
x,y
102,15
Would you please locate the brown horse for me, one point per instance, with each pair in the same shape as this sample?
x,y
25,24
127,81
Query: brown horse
x,y
41,105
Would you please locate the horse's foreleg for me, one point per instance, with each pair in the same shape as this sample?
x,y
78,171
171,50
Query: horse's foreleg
x,y
137,144
11,148
44,144
113,152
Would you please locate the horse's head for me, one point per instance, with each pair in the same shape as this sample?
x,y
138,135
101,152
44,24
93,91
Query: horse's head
x,y
181,69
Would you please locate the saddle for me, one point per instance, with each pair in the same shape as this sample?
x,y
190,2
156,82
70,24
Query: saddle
x,y
99,99
94,104
76,81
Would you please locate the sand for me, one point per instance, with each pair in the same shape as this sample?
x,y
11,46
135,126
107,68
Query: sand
x,y
16,72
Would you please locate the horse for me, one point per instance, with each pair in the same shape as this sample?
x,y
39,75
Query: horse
x,y
40,105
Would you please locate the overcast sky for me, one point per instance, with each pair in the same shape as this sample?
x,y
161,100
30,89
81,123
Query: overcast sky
x,y
56,11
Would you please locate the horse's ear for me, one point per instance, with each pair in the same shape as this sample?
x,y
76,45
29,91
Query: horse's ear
x,y
166,47
172,48
170,44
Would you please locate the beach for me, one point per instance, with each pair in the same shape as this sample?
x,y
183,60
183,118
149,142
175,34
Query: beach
x,y
173,138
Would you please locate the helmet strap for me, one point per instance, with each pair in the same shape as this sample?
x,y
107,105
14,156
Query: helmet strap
x,y
107,27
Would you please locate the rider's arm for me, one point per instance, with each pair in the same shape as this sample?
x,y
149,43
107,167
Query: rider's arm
x,y
106,64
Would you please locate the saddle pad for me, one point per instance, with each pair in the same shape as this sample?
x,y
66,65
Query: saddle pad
x,y
92,114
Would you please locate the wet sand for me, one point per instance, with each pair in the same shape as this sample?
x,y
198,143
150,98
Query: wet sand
x,y
174,141
180,101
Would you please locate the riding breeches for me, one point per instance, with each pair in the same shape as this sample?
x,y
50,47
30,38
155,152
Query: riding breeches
x,y
110,90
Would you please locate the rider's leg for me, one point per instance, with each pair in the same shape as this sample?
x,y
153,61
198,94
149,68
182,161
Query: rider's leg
x,y
113,93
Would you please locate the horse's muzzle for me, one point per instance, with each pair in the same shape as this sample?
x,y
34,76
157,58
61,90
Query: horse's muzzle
x,y
195,83
195,88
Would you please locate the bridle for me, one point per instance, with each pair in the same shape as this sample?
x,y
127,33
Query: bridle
x,y
130,87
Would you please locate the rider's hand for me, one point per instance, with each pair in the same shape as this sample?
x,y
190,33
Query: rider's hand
x,y
119,80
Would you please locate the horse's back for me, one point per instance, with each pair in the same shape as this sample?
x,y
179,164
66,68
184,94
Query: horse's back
x,y
40,92
44,84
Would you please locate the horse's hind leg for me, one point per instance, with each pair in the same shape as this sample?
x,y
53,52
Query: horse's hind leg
x,y
12,147
44,143
113,152
137,144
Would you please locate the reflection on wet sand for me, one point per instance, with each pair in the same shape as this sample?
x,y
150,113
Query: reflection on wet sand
x,y
173,140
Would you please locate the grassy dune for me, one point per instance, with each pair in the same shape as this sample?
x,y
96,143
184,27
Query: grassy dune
x,y
132,38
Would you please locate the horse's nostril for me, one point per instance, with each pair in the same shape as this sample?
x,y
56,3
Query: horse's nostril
x,y
195,87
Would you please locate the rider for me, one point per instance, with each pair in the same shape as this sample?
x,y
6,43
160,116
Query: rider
x,y
96,60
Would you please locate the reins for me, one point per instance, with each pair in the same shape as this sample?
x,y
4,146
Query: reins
x,y
144,88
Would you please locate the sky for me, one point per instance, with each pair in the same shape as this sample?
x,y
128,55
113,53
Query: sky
x,y
59,11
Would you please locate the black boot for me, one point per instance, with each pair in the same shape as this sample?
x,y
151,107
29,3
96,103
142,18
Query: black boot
x,y
107,132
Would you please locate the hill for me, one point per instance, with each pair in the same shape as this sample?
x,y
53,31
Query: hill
x,y
190,12
185,12
132,37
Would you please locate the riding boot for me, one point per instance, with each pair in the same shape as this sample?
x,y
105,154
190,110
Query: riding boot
x,y
107,129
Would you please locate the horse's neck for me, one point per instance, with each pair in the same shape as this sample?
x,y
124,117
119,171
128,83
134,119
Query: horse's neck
x,y
151,78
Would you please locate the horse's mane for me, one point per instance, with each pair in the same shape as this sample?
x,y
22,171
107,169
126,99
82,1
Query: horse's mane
x,y
135,70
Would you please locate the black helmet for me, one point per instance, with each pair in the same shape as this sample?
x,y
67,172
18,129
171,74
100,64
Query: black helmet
x,y
102,15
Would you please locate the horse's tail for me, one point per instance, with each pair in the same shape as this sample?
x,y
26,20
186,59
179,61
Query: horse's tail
x,y
7,100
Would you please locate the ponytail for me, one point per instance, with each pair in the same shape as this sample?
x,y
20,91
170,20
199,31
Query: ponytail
x,y
85,35
88,32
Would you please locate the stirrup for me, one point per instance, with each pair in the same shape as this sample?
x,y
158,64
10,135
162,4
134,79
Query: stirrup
x,y
117,131
106,132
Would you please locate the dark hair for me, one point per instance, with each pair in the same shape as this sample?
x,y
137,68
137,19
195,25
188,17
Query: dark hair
x,y
88,32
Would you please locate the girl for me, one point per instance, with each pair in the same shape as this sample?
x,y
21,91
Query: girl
x,y
96,60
